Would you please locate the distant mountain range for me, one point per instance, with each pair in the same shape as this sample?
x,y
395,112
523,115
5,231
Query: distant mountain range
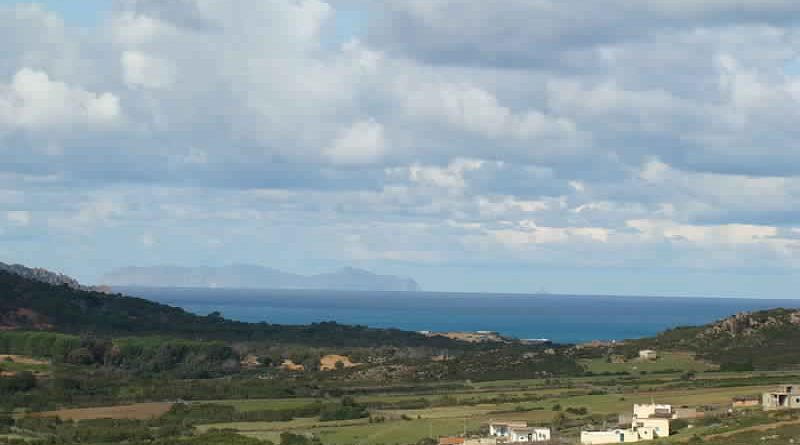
x,y
255,277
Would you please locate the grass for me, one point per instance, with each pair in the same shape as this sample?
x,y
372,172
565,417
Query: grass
x,y
612,395
264,404
450,419
16,363
668,361
138,411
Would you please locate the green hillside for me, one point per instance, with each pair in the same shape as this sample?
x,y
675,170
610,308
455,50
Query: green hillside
x,y
766,340
32,305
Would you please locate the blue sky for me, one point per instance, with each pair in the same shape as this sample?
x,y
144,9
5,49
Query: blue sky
x,y
475,146
78,12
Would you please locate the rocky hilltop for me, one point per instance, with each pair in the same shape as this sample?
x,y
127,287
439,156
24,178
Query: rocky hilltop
x,y
749,324
245,276
47,277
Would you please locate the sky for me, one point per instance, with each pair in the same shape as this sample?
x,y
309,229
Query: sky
x,y
603,147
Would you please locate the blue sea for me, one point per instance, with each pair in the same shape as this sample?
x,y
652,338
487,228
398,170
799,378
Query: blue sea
x,y
561,318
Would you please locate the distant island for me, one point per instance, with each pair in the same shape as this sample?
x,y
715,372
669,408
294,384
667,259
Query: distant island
x,y
244,276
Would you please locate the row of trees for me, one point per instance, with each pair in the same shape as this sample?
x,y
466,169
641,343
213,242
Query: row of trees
x,y
141,355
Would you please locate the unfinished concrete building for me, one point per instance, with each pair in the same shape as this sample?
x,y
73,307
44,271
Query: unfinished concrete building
x,y
786,397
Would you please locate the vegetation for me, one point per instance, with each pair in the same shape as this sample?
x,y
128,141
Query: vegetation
x,y
29,304
766,340
222,382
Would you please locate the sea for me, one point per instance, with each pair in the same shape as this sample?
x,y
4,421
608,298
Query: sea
x,y
559,318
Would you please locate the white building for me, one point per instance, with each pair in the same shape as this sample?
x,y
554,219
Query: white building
x,y
502,430
659,426
786,397
605,437
518,432
649,422
646,411
526,435
648,354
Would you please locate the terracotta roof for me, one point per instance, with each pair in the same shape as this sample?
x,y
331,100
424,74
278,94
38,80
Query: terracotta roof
x,y
451,441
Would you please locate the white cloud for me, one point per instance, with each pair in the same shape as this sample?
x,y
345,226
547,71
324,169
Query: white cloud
x,y
728,234
650,134
143,70
472,109
528,233
131,29
33,100
18,218
362,143
148,240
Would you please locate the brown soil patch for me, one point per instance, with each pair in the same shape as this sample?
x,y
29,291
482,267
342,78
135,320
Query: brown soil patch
x,y
22,360
292,366
139,411
328,362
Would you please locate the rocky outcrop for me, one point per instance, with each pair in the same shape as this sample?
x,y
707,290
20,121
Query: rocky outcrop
x,y
747,324
49,277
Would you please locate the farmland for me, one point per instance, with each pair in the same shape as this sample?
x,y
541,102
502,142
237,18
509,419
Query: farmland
x,y
455,412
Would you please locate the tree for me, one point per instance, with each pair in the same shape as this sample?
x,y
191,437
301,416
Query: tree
x,y
559,421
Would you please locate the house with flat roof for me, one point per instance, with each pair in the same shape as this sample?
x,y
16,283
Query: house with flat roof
x,y
648,422
785,397
648,354
518,432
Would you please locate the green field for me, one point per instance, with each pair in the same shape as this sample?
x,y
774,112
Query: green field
x,y
265,404
667,361
599,396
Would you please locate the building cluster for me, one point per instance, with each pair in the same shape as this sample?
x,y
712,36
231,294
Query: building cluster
x,y
504,433
518,432
648,422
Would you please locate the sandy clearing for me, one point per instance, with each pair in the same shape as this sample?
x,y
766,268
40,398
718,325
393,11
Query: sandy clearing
x,y
23,360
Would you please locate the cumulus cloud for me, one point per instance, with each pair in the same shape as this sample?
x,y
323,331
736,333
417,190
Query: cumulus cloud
x,y
142,70
362,143
541,132
32,100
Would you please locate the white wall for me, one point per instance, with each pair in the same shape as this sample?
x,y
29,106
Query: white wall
x,y
605,437
647,410
660,426
539,435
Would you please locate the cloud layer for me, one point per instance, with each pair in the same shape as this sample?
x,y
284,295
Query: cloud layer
x,y
447,138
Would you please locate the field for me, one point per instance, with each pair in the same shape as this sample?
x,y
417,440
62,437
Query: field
x,y
19,363
418,412
535,401
668,361
139,411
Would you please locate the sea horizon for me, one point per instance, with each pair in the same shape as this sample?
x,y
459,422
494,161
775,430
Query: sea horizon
x,y
557,317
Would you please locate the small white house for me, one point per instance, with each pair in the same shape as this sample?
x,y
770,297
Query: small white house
x,y
648,354
503,429
518,432
529,435
649,422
